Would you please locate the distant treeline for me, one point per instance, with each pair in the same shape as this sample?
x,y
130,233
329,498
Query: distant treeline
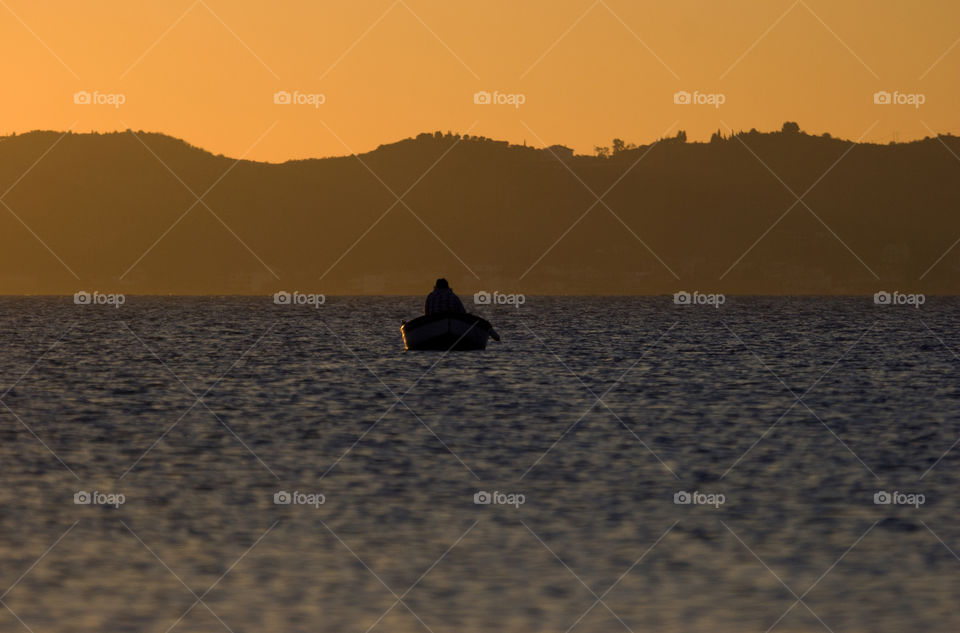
x,y
118,212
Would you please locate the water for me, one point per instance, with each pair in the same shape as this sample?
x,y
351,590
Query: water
x,y
325,402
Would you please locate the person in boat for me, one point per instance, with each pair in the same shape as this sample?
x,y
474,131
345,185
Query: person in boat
x,y
442,299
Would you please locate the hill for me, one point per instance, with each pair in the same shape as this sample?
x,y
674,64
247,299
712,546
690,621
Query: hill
x,y
117,210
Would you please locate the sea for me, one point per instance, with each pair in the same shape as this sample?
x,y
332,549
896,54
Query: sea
x,y
200,464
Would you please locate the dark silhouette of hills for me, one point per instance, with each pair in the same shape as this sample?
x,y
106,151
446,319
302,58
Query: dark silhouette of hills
x,y
99,201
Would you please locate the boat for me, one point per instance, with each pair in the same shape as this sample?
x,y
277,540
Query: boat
x,y
447,331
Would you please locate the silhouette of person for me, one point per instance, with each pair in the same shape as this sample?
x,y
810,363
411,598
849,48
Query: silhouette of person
x,y
442,299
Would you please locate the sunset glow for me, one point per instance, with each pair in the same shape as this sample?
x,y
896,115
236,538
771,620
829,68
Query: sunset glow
x,y
588,71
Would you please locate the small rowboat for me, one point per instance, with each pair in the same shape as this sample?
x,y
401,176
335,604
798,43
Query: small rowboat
x,y
447,331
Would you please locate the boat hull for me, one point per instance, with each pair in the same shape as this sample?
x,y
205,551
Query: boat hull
x,y
448,331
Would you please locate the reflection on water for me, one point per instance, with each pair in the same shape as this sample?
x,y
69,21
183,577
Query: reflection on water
x,y
587,429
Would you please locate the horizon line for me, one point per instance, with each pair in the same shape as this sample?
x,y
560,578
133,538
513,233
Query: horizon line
x,y
473,137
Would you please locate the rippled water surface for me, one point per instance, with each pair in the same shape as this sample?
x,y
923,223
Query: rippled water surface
x,y
597,411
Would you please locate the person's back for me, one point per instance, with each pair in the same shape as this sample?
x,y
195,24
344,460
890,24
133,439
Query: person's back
x,y
442,299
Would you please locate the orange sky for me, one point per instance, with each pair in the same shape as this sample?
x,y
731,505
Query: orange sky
x,y
587,70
